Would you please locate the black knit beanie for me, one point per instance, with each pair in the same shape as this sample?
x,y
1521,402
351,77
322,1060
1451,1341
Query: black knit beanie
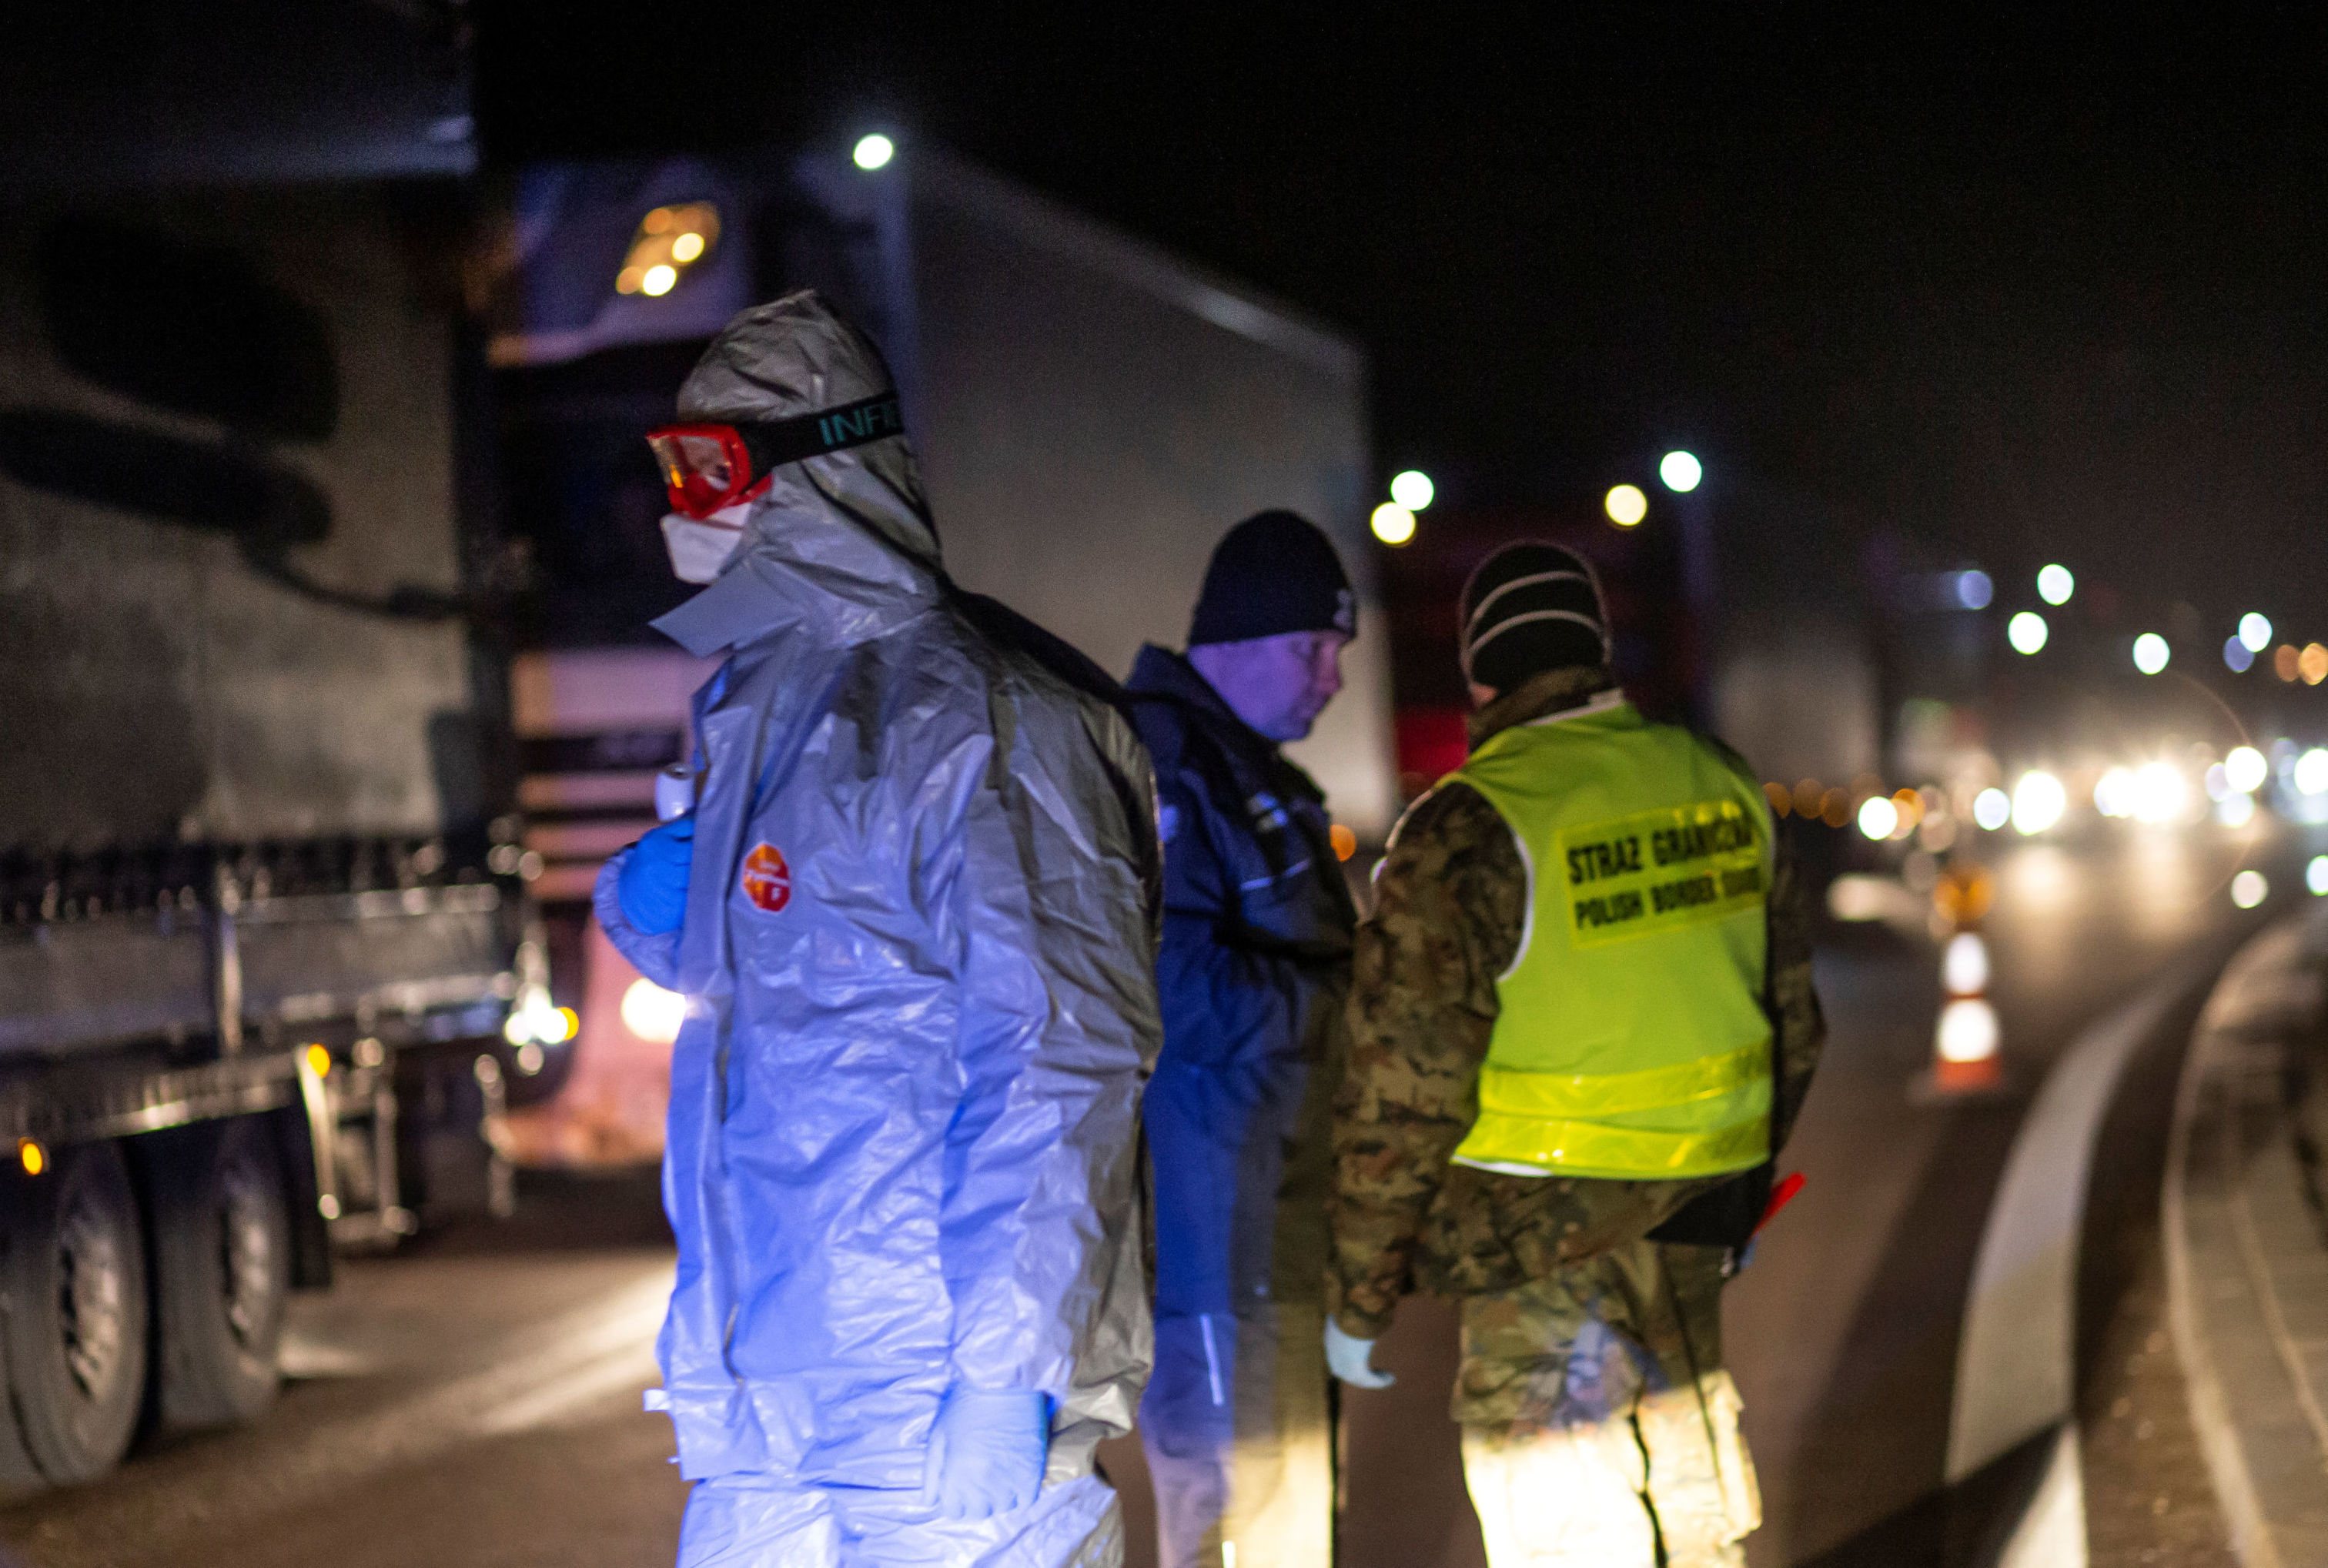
x,y
1272,573
1530,607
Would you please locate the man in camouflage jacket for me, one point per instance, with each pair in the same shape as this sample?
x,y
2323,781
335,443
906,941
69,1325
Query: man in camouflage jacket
x,y
1599,1425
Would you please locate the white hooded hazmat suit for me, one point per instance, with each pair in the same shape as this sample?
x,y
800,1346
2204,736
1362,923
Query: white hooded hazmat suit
x,y
918,954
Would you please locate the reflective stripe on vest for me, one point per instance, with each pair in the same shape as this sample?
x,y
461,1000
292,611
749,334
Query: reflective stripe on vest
x,y
1630,1041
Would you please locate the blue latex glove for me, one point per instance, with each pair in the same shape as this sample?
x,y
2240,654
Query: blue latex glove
x,y
652,887
1351,1359
987,1452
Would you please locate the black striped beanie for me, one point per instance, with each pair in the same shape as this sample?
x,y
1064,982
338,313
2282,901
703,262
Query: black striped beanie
x,y
1530,607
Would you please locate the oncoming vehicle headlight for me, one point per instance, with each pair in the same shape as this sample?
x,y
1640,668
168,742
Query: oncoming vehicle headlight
x,y
2038,802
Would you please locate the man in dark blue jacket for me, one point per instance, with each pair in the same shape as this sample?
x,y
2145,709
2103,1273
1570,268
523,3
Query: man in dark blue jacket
x,y
1257,930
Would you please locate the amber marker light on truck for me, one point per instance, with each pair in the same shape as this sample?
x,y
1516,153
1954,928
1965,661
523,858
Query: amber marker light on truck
x,y
31,1156
319,1061
669,240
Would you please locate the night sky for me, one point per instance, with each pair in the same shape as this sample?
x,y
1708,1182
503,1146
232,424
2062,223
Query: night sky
x,y
2050,288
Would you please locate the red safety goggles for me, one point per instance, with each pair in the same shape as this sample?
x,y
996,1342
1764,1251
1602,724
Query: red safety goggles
x,y
707,467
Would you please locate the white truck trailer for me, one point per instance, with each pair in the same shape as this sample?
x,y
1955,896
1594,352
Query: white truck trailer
x,y
1091,415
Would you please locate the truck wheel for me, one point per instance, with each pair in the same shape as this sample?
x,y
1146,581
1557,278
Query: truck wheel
x,y
75,1273
223,1248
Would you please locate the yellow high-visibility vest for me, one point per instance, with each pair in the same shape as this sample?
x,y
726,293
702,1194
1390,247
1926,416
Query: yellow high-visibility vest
x,y
1630,1041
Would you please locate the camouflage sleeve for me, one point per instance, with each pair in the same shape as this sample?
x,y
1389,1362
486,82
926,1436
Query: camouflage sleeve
x,y
1450,902
1792,1003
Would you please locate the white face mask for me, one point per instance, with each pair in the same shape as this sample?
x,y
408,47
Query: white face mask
x,y
699,550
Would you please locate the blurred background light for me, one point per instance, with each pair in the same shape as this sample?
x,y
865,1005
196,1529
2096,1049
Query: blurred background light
x,y
2312,663
2247,889
2055,585
1992,809
1626,505
2161,793
2150,652
1878,816
1964,964
2284,661
1681,471
875,151
2238,656
1412,490
2246,769
2038,802
2312,772
2255,632
1392,523
2237,811
2025,632
652,1013
2315,875
1974,590
2114,792
2217,781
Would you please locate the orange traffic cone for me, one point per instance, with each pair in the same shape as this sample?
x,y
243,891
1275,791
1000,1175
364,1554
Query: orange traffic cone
x,y
1966,1037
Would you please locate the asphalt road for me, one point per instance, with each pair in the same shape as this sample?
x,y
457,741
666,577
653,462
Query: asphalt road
x,y
474,1398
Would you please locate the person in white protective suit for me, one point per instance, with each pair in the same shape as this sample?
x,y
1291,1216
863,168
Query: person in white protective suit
x,y
913,917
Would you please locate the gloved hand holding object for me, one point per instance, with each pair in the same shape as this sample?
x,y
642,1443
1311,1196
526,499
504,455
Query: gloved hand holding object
x,y
987,1452
654,883
1351,1359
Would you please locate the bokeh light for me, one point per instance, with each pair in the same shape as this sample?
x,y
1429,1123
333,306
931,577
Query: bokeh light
x,y
2312,663
2161,793
2285,663
2114,792
874,151
652,1013
1974,590
2055,585
2238,656
1992,809
2038,802
2315,875
1681,471
2150,652
2245,769
2312,772
1626,505
2255,632
1392,523
1878,816
2249,890
1413,489
2026,631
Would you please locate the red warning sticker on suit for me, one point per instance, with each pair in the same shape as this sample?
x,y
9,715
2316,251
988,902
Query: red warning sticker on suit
x,y
768,881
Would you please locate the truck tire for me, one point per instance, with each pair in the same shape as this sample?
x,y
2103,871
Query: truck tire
x,y
222,1250
75,1276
